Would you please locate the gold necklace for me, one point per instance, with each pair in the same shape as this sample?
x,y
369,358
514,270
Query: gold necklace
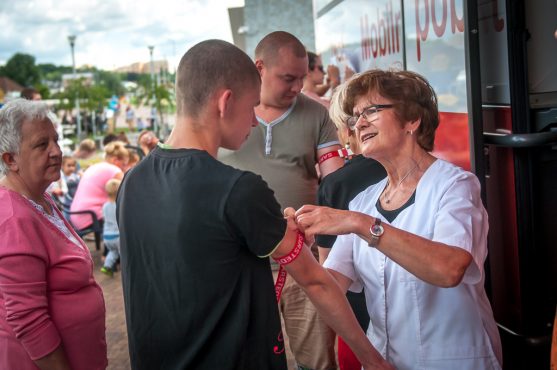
x,y
388,199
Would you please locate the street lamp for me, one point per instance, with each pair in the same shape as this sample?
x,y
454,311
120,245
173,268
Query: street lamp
x,y
155,125
71,39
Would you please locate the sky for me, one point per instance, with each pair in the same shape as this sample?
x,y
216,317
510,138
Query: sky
x,y
110,33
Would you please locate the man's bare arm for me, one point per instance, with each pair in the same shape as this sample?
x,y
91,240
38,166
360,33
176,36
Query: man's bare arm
x,y
329,299
331,164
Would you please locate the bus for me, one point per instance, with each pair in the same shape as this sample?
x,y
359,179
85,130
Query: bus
x,y
493,66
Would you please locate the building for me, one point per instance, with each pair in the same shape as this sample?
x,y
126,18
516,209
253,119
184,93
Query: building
x,y
9,89
87,77
144,68
260,17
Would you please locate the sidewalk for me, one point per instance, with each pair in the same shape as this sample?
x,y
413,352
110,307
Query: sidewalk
x,y
116,334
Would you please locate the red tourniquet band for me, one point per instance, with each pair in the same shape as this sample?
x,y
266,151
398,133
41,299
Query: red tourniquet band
x,y
285,260
343,153
281,280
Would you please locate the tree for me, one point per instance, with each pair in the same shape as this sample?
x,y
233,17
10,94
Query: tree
x,y
111,81
43,90
91,98
22,69
162,94
51,72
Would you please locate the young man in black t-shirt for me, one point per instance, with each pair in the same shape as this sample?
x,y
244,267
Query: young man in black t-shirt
x,y
198,290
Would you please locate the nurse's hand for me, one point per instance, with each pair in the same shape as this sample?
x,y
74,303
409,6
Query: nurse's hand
x,y
316,220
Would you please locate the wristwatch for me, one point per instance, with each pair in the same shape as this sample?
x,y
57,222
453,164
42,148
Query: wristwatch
x,y
376,231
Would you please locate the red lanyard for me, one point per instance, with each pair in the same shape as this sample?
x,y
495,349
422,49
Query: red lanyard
x,y
285,260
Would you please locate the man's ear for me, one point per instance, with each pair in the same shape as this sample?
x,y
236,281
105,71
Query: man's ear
x,y
10,162
224,101
259,65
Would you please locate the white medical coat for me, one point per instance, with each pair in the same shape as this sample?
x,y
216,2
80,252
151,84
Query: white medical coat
x,y
413,324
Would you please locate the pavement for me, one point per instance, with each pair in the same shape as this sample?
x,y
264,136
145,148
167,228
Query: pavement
x,y
116,334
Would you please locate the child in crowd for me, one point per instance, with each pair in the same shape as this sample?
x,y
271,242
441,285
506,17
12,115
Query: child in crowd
x,y
111,235
70,179
64,189
85,154
140,124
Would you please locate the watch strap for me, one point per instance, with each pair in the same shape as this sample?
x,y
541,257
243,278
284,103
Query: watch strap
x,y
376,230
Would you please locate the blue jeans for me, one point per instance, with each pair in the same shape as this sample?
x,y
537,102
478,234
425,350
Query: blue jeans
x,y
113,247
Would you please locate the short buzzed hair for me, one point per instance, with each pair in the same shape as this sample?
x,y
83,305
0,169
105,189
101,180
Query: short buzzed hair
x,y
268,48
206,67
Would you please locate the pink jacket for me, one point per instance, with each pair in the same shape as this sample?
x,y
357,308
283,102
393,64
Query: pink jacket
x,y
47,292
90,193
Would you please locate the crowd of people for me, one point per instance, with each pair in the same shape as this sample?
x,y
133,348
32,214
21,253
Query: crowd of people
x,y
271,164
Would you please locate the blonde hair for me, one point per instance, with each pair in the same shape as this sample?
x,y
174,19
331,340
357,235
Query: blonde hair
x,y
336,112
112,187
87,145
116,149
339,118
68,158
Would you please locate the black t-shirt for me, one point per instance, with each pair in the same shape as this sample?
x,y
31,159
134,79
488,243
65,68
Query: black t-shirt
x,y
197,293
337,190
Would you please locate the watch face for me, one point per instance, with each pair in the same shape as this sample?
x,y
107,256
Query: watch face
x,y
377,230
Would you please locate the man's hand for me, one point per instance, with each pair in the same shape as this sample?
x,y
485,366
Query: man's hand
x,y
290,217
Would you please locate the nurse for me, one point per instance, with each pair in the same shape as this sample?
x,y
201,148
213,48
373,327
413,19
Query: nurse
x,y
417,240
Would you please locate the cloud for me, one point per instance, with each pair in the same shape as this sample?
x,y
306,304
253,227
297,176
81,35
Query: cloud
x,y
110,33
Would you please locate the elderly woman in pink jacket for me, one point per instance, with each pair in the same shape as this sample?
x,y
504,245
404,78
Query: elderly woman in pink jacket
x,y
52,313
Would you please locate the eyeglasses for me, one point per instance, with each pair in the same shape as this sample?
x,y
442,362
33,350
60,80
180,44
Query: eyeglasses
x,y
320,68
366,114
